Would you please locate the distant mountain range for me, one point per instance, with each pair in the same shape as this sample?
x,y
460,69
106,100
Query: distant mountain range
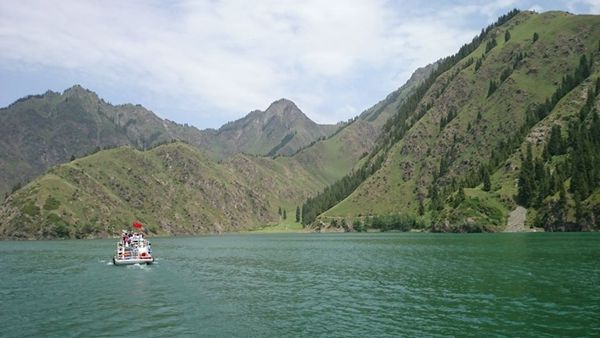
x,y
258,164
504,134
39,131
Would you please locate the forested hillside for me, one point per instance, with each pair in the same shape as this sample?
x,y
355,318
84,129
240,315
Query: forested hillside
x,y
455,156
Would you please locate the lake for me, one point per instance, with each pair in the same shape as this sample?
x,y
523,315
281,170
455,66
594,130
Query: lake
x,y
326,285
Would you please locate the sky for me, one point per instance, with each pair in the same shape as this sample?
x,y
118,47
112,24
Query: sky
x,y
209,62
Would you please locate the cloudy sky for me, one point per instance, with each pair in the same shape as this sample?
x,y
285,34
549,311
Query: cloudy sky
x,y
209,62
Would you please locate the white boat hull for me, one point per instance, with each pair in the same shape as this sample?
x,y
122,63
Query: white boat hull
x,y
117,261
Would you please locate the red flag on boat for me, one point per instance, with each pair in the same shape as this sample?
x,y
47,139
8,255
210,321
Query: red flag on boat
x,y
137,225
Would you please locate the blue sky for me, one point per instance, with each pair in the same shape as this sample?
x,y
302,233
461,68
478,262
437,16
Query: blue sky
x,y
208,62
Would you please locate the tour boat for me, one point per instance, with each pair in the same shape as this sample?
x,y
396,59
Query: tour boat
x,y
133,248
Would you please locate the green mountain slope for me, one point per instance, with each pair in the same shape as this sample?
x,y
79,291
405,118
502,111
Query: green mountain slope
x,y
473,122
173,189
40,131
330,159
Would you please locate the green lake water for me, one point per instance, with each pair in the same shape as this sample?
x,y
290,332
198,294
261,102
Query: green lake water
x,y
312,285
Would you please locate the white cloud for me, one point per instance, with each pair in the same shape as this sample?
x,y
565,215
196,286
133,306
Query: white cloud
x,y
593,6
584,6
229,57
536,8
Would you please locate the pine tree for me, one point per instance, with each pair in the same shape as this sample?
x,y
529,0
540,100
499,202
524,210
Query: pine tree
x,y
526,179
579,213
284,214
555,143
478,64
297,214
490,45
485,177
536,36
436,199
506,36
444,165
562,204
421,209
540,183
460,197
492,88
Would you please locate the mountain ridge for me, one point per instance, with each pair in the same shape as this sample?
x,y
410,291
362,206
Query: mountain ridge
x,y
39,131
281,129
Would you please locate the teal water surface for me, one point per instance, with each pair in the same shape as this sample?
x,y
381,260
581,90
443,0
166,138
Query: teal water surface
x,y
275,285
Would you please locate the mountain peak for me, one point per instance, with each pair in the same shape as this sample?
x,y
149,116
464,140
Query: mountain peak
x,y
78,90
75,88
284,107
283,102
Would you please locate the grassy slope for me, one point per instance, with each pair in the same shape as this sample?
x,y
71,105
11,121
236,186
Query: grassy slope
x,y
172,188
41,131
408,171
329,160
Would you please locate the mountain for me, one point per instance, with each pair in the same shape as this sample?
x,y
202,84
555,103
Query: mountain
x,y
470,149
40,131
282,129
502,134
173,189
177,188
330,159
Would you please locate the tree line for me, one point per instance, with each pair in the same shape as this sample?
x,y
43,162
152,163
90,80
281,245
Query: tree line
x,y
575,158
410,111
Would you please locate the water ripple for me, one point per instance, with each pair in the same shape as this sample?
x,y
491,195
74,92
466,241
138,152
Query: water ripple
x,y
328,285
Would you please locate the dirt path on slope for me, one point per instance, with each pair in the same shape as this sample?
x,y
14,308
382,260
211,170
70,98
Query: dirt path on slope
x,y
516,220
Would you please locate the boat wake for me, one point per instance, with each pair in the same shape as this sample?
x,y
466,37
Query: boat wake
x,y
139,266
